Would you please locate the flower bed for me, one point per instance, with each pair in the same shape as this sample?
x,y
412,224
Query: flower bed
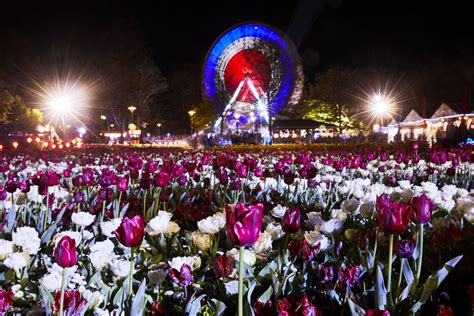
x,y
285,230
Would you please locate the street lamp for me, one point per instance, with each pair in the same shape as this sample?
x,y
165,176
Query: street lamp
x,y
105,118
132,109
191,114
159,129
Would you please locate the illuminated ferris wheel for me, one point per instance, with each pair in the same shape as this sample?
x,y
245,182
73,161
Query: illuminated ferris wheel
x,y
251,71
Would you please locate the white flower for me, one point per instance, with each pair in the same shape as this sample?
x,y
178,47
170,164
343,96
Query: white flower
x,y
94,299
177,262
275,230
212,224
161,224
82,218
87,235
109,227
313,238
249,256
6,248
405,184
121,268
52,281
17,260
263,243
27,238
201,240
101,253
278,211
469,215
331,226
314,218
77,236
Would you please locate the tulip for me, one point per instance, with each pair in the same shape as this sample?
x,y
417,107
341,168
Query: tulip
x,y
422,207
373,312
122,184
244,223
65,253
6,300
262,309
183,277
223,266
74,303
130,234
243,227
404,248
291,220
392,217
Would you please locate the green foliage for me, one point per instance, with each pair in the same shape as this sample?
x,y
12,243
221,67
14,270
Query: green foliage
x,y
15,115
206,113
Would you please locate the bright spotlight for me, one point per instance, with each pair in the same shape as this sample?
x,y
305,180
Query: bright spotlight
x,y
380,105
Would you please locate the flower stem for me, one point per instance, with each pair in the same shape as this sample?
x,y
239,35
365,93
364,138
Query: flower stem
x,y
144,205
132,264
420,255
399,278
390,253
63,285
241,282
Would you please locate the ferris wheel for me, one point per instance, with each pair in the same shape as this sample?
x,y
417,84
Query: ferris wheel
x,y
251,71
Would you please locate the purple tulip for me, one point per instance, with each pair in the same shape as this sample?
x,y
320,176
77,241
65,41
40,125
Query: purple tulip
x,y
244,223
183,277
65,253
392,217
422,207
291,220
122,184
404,248
130,232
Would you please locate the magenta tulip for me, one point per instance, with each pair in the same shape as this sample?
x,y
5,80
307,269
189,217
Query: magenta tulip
x,y
392,217
65,253
291,220
130,232
122,184
422,207
244,223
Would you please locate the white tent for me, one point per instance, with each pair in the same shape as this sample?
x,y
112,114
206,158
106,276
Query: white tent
x,y
443,111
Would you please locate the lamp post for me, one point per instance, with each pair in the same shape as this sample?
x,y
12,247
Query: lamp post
x,y
132,109
159,129
191,114
105,118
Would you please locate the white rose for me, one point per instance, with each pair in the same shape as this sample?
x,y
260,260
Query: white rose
x,y
249,256
212,224
313,238
202,241
263,243
109,227
6,248
177,262
278,211
275,230
121,268
82,218
27,238
17,260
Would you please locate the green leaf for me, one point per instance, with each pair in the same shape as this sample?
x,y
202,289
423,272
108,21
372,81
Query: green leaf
x,y
138,304
355,309
194,305
47,298
267,295
433,282
380,290
48,234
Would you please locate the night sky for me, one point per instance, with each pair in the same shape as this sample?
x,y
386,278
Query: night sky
x,y
326,32
394,35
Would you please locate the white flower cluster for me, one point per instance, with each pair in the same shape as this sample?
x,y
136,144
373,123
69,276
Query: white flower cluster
x,y
162,224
